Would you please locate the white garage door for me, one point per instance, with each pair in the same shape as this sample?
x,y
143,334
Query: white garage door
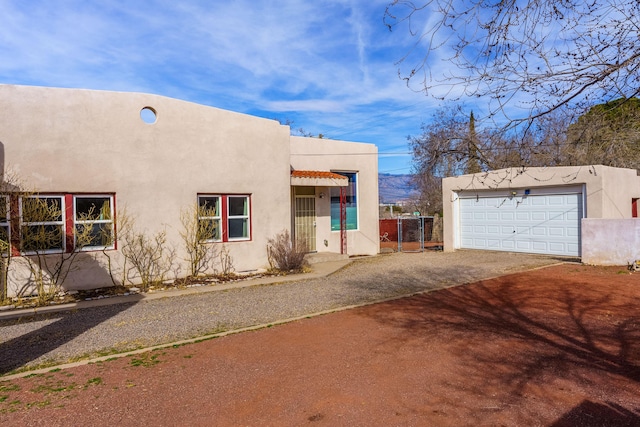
x,y
542,223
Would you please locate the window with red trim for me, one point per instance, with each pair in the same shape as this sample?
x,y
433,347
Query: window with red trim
x,y
5,225
227,215
55,223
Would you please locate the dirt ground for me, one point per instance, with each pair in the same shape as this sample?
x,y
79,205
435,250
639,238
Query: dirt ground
x,y
558,346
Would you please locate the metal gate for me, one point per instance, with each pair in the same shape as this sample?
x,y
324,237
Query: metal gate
x,y
408,234
305,220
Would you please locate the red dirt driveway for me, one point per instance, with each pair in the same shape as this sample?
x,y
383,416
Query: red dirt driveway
x,y
558,346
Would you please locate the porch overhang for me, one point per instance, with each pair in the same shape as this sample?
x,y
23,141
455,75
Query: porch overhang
x,y
318,179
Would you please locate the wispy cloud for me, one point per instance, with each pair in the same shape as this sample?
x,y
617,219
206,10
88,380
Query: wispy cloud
x,y
329,65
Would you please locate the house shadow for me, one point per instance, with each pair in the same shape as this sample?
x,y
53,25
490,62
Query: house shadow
x,y
59,328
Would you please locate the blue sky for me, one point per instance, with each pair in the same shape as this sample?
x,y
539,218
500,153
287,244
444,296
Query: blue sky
x,y
329,66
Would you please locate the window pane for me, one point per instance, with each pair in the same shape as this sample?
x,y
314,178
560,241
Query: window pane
x,y
96,234
238,228
351,203
37,238
4,239
3,210
209,229
209,205
93,208
238,206
42,209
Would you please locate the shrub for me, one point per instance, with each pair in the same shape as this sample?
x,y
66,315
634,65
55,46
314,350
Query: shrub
x,y
284,254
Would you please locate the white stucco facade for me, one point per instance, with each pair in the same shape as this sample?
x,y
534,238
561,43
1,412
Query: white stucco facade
x,y
84,142
340,156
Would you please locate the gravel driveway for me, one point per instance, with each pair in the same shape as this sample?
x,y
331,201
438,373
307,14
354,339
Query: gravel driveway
x,y
67,336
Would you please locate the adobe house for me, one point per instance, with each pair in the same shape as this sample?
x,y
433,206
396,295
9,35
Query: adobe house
x,y
568,211
154,157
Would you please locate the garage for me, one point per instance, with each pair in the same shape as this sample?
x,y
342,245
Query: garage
x,y
542,220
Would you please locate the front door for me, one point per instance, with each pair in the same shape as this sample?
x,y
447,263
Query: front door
x,y
305,220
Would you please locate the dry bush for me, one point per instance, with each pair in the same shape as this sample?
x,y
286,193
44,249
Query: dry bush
x,y
150,258
284,254
196,235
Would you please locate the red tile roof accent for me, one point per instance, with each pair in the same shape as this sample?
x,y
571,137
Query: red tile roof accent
x,y
316,174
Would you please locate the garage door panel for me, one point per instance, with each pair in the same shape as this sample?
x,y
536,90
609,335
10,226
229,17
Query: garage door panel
x,y
523,245
539,231
480,229
466,230
538,216
507,216
571,216
507,231
557,247
556,232
507,245
540,246
555,200
547,224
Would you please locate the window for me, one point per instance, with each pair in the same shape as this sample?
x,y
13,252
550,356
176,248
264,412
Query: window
x,y
351,203
5,227
209,218
43,221
93,217
224,218
238,217
56,223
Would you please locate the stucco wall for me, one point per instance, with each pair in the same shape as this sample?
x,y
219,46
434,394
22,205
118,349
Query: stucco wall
x,y
607,191
610,241
331,155
84,141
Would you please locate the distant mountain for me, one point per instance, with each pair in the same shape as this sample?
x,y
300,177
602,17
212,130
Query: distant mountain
x,y
394,188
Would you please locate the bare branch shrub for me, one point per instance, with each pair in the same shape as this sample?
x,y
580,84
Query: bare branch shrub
x,y
284,254
196,235
10,185
149,256
226,262
43,243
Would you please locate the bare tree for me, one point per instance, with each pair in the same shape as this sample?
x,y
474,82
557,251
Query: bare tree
x,y
609,134
452,145
525,59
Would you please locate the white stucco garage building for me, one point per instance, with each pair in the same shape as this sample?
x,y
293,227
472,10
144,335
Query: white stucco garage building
x,y
534,210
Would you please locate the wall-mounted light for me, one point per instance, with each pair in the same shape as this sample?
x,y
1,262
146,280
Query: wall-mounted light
x,y
321,195
513,193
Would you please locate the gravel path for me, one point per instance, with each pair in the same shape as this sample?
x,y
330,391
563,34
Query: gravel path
x,y
67,336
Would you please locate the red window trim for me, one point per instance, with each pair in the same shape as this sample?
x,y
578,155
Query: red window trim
x,y
224,215
69,220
